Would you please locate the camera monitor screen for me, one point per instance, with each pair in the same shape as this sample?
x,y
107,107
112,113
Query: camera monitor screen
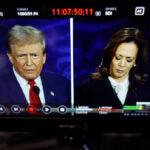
x,y
74,60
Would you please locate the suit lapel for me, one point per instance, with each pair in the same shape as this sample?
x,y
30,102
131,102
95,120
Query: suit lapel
x,y
16,93
131,97
113,98
49,92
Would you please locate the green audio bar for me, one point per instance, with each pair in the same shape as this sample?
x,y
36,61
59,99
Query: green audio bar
x,y
133,107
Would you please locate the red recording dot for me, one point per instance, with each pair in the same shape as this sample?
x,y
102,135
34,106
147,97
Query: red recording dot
x,y
31,109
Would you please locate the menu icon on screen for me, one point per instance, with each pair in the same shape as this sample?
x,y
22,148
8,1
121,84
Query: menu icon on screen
x,y
139,11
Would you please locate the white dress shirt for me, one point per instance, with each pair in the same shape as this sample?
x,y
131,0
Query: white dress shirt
x,y
26,87
121,89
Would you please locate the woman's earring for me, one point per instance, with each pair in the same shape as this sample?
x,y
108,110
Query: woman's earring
x,y
134,65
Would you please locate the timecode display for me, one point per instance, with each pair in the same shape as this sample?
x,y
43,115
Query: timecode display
x,y
72,12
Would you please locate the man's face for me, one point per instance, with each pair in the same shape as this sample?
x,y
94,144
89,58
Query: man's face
x,y
28,60
123,61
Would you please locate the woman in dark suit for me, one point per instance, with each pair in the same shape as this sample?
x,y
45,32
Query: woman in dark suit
x,y
121,78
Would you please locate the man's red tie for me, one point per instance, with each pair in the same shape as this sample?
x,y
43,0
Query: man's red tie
x,y
34,99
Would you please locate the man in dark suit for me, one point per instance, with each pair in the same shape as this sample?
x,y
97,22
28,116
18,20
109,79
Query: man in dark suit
x,y
26,84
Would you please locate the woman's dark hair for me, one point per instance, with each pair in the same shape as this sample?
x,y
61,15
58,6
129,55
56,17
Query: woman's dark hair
x,y
122,36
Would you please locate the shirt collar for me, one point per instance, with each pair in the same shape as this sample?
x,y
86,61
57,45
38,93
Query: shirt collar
x,y
114,82
24,81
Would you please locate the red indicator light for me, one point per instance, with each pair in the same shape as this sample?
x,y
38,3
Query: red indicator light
x,y
31,109
113,109
106,109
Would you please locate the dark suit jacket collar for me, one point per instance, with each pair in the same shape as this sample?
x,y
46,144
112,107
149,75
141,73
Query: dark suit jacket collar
x,y
130,98
112,94
49,91
16,93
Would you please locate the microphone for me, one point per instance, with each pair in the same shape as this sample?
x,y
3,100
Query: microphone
x,y
36,89
38,105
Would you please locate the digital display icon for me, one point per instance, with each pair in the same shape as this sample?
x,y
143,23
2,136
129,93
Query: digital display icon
x,y
47,109
15,109
62,109
1,14
98,13
2,109
139,11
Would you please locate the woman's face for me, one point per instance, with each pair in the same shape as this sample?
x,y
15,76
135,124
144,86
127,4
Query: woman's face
x,y
123,61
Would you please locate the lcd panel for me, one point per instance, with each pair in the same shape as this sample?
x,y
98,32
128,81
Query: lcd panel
x,y
88,50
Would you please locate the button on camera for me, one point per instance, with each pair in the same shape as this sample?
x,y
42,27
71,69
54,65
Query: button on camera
x,y
139,11
16,109
31,109
47,109
2,109
62,109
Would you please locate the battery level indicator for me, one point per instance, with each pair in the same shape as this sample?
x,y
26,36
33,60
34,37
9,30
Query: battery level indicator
x,y
133,107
